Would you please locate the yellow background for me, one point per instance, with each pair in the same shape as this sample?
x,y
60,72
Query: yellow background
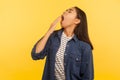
x,y
23,22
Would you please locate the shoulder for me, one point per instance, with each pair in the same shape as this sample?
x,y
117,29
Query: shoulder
x,y
84,45
56,33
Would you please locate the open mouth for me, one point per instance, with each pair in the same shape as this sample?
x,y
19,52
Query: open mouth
x,y
62,17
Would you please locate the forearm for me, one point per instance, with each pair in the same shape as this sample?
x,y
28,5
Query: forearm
x,y
41,44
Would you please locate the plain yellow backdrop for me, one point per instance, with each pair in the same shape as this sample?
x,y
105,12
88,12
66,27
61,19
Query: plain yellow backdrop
x,y
23,22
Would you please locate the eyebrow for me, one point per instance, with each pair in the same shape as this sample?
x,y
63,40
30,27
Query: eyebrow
x,y
70,9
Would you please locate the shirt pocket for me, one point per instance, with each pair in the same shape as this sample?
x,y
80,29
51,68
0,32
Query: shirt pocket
x,y
77,66
74,64
75,59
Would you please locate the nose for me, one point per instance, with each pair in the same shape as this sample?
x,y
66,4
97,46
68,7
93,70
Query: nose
x,y
65,12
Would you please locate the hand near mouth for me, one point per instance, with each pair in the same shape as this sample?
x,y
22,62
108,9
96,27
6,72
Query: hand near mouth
x,y
53,25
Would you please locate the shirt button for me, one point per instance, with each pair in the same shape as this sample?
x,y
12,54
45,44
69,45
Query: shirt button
x,y
65,64
77,59
65,54
67,45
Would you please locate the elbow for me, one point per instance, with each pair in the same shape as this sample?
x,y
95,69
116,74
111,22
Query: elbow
x,y
33,56
37,56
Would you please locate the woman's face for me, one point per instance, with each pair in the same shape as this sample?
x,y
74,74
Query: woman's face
x,y
69,18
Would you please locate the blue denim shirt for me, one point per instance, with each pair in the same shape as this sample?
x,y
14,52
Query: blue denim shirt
x,y
78,58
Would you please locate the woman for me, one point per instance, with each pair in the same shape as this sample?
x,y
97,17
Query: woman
x,y
68,50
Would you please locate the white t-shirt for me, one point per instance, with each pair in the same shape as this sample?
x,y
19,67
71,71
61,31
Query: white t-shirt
x,y
59,59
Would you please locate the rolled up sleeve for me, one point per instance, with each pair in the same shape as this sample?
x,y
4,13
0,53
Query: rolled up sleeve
x,y
43,53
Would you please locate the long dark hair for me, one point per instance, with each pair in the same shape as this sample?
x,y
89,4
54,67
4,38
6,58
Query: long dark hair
x,y
81,30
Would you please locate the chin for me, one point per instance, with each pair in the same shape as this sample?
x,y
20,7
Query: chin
x,y
62,26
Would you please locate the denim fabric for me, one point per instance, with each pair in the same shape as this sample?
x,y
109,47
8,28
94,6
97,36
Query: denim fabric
x,y
78,58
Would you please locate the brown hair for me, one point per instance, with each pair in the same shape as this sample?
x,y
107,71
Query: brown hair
x,y
81,30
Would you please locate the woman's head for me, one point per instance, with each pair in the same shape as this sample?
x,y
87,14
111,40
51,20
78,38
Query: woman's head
x,y
69,18
76,17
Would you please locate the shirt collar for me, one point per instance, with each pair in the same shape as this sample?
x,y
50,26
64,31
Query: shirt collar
x,y
59,34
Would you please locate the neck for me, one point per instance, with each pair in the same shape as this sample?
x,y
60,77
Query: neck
x,y
69,31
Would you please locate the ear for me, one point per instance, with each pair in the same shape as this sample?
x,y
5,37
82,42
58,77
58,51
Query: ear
x,y
77,21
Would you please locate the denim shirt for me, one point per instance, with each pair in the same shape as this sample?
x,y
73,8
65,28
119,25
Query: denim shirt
x,y
78,58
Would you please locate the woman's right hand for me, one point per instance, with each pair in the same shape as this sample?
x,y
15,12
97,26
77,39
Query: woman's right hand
x,y
41,44
53,25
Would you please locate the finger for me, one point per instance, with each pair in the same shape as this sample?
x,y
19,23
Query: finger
x,y
58,19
